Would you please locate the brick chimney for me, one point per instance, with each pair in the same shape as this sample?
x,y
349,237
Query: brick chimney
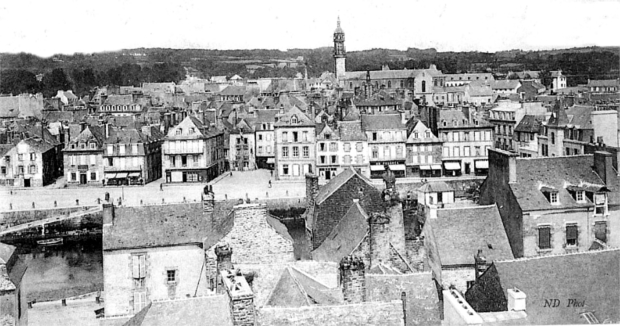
x,y
312,189
108,210
208,199
224,262
353,279
603,165
241,298
481,264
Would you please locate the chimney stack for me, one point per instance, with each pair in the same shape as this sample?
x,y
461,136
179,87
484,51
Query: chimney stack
x,y
312,189
224,263
481,264
108,210
241,298
353,279
379,236
516,300
208,199
603,165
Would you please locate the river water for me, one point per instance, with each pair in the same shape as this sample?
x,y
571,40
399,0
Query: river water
x,y
61,271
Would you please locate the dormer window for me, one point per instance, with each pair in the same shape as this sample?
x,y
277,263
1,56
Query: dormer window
x,y
600,204
179,132
93,146
294,120
454,123
328,136
444,123
82,146
551,194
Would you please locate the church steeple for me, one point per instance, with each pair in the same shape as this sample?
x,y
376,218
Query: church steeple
x,y
339,51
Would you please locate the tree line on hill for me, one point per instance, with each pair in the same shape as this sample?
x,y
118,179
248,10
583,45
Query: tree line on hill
x,y
82,72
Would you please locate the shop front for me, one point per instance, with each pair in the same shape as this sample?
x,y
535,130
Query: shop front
x,y
481,167
452,168
430,171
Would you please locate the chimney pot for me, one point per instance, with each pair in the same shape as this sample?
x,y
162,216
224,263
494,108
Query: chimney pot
x,y
516,300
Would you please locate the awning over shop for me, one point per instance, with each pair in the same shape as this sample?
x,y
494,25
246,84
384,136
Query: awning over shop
x,y
452,165
121,175
377,168
483,164
435,167
397,167
271,160
425,167
134,174
111,175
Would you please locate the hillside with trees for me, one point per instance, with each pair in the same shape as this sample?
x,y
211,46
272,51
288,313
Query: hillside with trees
x,y
25,72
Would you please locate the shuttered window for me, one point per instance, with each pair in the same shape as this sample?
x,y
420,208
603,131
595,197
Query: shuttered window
x,y
571,235
544,237
600,231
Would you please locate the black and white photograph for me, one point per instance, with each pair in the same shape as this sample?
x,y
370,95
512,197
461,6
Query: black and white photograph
x,y
276,163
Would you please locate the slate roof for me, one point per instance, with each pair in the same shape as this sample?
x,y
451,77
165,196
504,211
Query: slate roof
x,y
119,100
460,232
329,188
165,225
345,237
555,172
604,83
351,131
302,118
530,124
579,116
422,297
212,310
382,122
505,84
591,276
472,76
133,135
296,289
39,145
234,91
435,186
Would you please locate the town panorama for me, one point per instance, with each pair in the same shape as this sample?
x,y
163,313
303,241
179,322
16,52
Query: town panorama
x,y
325,187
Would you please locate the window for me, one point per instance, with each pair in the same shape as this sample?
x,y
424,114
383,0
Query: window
x,y
347,159
192,130
93,176
359,159
466,151
347,147
553,197
179,132
322,159
20,169
457,151
73,176
285,169
375,152
552,138
93,159
82,146
32,169
386,151
33,156
184,160
295,151
334,159
544,237
374,136
446,152
321,147
260,137
306,150
110,161
284,151
579,196
134,148
268,149
3,170
93,146
295,136
284,136
399,151
260,149
171,276
121,149
333,147
600,230
304,136
20,157
572,234
600,204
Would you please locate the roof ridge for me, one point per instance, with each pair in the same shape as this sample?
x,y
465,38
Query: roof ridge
x,y
470,207
557,255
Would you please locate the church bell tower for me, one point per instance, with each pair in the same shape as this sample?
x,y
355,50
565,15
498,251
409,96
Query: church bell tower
x,y
339,52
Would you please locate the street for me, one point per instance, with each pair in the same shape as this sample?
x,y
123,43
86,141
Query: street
x,y
253,183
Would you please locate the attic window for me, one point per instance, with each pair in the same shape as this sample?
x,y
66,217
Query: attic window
x,y
328,136
179,132
294,119
93,146
551,194
82,146
444,123
192,130
454,123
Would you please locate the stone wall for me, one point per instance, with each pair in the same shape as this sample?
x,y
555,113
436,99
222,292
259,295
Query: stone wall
x,y
458,277
368,313
416,254
11,218
254,241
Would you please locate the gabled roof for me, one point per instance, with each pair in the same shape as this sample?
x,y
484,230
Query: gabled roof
x,y
302,118
296,289
460,232
505,84
234,91
435,186
165,225
213,310
382,122
329,188
345,237
555,172
119,100
530,124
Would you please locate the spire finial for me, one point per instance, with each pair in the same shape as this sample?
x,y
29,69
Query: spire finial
x,y
338,21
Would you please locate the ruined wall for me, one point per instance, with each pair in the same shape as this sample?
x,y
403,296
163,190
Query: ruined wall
x,y
368,313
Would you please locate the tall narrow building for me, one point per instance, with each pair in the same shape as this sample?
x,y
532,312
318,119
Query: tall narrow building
x,y
339,52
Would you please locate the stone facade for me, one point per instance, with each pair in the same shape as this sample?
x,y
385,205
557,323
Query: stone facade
x,y
353,279
120,283
254,240
241,299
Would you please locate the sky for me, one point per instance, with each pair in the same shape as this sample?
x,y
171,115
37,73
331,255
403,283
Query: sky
x,y
48,27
